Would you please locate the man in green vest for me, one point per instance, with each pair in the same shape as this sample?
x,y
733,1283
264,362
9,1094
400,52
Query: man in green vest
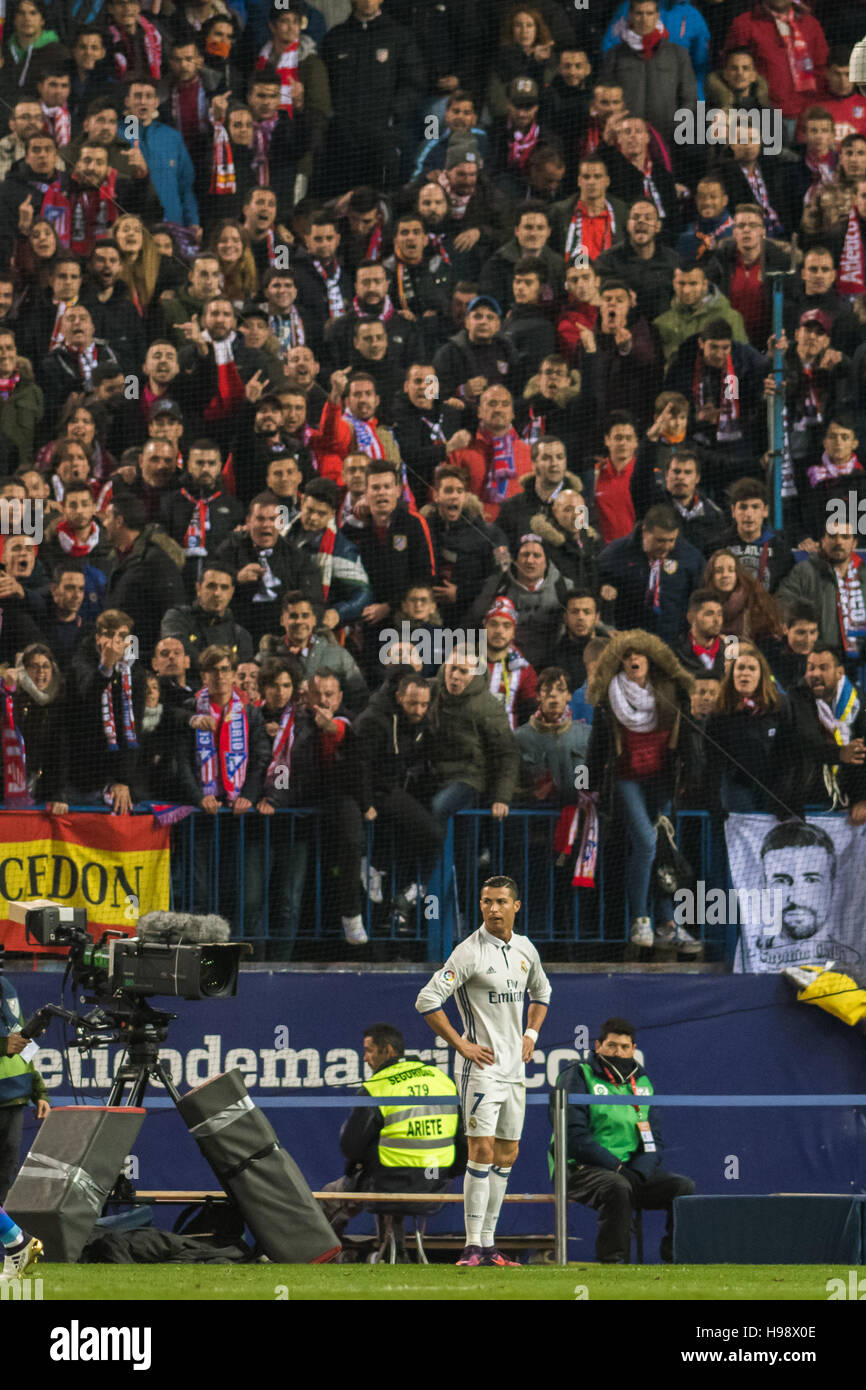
x,y
20,1084
396,1146
614,1151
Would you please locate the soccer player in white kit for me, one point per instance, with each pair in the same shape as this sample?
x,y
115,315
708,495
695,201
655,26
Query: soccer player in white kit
x,y
490,974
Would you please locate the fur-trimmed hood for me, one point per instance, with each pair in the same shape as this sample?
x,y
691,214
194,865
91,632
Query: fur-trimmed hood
x,y
657,652
570,480
473,507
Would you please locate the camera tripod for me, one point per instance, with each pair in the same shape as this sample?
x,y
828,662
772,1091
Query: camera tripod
x,y
133,1025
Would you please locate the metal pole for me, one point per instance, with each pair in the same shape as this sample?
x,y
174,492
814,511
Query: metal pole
x,y
777,406
560,1174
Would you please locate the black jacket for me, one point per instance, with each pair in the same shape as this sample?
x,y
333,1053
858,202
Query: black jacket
x,y
144,583
458,360
648,489
417,434
806,777
119,323
394,753
352,53
652,280
198,630
224,513
399,561
624,565
750,753
293,569
93,765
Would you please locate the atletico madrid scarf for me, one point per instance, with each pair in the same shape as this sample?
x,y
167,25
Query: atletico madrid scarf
x,y
800,63
336,302
520,146
199,522
772,225
365,433
80,215
58,123
263,129
14,755
288,331
566,834
222,176
108,722
644,44
852,263
8,384
826,471
729,396
501,469
71,545
385,313
281,756
287,67
222,757
230,388
123,48
326,560
598,239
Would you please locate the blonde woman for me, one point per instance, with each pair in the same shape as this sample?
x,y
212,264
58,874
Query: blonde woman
x,y
230,244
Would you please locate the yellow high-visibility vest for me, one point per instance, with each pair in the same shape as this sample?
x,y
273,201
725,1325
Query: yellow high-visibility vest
x,y
416,1136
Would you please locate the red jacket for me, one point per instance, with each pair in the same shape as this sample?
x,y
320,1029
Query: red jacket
x,y
478,462
756,30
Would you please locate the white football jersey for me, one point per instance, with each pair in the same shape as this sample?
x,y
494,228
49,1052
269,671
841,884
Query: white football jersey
x,y
490,981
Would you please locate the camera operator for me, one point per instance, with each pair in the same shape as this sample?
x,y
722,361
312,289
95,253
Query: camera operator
x,y
20,1084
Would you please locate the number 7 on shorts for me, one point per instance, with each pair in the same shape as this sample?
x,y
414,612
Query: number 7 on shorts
x,y
479,1096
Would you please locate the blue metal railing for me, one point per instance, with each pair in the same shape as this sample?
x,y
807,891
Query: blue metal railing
x,y
269,875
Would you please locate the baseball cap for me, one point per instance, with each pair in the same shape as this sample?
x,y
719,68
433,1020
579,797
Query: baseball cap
x,y
251,310
165,408
481,299
502,608
817,316
523,92
462,149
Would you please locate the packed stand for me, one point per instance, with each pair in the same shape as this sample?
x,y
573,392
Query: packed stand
x,y
385,401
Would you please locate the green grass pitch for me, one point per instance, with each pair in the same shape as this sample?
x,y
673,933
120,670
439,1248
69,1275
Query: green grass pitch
x,y
680,1283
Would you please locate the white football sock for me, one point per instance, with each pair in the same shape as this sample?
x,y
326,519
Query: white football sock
x,y
476,1194
498,1182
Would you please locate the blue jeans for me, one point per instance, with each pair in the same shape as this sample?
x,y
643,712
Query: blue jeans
x,y
454,797
641,803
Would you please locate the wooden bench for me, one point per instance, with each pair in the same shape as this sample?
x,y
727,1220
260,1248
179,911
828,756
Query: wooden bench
x,y
159,1197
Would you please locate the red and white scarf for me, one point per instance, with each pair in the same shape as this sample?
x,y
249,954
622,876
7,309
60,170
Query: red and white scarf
x,y
501,469
565,836
386,312
826,471
521,143
650,191
645,44
504,679
457,202
262,132
71,545
109,727
230,387
852,262
194,542
336,302
123,48
222,757
222,176
14,755
574,241
850,605
822,171
772,225
287,67
365,433
326,557
80,215
281,754
8,384
436,245
57,122
189,109
800,64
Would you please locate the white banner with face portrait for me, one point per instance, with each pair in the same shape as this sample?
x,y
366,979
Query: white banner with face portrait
x,y
799,891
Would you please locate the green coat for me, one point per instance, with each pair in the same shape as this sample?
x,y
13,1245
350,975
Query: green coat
x,y
22,412
679,323
472,741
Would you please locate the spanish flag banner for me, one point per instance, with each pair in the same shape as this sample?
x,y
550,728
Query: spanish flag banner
x,y
115,867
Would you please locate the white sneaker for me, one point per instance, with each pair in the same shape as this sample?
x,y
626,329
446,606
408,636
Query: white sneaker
x,y
671,934
371,877
16,1263
641,933
353,930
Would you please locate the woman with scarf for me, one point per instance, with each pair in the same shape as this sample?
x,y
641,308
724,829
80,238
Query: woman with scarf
x,y
749,738
35,740
145,272
748,610
81,423
224,770
640,752
288,782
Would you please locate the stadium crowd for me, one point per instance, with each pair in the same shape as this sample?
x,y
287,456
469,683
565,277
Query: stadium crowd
x,y
333,338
